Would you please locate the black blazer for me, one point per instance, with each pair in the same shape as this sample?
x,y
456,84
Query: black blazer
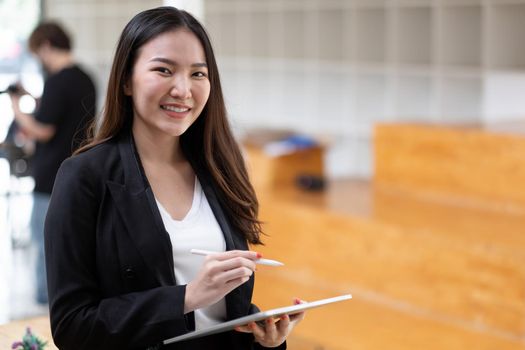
x,y
109,258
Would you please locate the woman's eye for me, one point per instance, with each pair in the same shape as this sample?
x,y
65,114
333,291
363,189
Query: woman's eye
x,y
199,74
163,70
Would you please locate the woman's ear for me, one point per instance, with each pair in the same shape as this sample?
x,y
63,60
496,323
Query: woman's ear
x,y
127,89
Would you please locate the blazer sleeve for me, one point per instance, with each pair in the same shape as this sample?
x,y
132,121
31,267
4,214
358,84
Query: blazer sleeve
x,y
81,317
257,346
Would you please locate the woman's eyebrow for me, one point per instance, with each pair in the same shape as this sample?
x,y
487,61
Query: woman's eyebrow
x,y
173,63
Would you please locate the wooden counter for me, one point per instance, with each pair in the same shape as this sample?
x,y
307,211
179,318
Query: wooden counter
x,y
455,161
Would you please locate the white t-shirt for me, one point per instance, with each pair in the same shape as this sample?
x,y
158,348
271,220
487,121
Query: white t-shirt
x,y
200,230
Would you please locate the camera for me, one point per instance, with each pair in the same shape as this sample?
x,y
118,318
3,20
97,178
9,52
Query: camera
x,y
14,89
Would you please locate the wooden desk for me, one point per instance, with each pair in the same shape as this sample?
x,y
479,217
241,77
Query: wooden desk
x,y
14,331
271,172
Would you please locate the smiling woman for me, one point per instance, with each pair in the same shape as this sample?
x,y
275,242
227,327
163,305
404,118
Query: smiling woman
x,y
160,176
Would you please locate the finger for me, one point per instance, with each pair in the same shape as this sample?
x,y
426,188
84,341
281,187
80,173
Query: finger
x,y
230,264
257,331
270,328
231,285
232,275
236,262
243,329
298,301
295,318
216,273
230,254
283,324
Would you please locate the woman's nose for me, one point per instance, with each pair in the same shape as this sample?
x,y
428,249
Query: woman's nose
x,y
181,88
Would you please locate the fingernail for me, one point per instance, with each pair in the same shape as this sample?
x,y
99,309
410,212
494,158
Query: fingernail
x,y
259,255
297,301
253,325
284,317
269,321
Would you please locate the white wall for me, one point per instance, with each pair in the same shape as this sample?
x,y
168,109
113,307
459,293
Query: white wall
x,y
337,67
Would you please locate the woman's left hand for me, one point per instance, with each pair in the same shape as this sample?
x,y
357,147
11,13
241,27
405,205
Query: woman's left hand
x,y
273,334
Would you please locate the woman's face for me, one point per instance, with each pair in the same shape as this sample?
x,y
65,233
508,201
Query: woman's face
x,y
169,84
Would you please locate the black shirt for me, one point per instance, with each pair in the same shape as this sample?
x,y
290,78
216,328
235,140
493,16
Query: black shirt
x,y
67,103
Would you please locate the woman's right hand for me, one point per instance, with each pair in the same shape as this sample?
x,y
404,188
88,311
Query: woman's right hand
x,y
220,274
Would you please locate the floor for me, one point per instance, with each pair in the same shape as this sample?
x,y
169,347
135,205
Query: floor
x,y
17,251
425,272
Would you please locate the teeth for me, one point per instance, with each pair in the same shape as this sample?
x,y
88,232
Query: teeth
x,y
175,109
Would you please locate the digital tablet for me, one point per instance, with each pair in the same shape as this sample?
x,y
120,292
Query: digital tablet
x,y
259,316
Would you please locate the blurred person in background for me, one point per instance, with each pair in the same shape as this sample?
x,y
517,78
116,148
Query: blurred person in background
x,y
57,126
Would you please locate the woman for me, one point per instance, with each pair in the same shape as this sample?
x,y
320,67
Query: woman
x,y
161,175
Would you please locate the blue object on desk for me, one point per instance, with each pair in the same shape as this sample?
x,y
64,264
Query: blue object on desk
x,y
289,145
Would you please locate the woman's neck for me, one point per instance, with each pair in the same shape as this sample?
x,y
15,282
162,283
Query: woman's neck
x,y
155,148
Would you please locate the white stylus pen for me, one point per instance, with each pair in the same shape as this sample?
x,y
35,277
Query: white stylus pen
x,y
258,261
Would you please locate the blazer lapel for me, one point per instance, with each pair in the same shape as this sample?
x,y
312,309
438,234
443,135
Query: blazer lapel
x,y
136,203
